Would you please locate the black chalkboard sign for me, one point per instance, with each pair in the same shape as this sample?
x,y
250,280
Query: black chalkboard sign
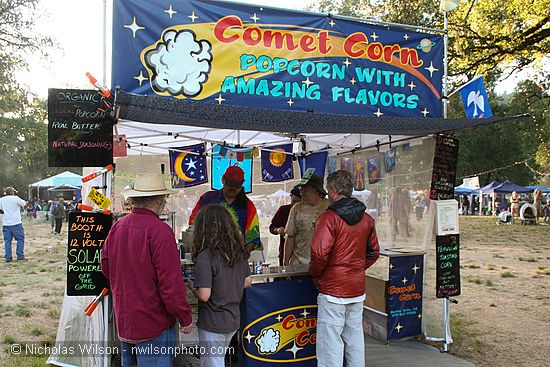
x,y
79,135
87,233
444,168
448,266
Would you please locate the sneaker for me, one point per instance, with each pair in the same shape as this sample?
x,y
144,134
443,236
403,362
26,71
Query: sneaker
x,y
8,260
22,259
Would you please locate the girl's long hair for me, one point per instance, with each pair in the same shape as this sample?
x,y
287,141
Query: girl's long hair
x,y
215,229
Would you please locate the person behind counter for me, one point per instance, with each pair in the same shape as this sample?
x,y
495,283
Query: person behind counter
x,y
140,258
233,198
302,219
343,246
280,218
221,274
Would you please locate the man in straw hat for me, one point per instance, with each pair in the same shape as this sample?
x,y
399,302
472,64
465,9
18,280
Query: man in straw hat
x,y
233,198
11,205
141,260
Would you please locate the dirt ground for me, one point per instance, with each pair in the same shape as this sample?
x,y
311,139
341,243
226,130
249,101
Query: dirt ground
x,y
502,318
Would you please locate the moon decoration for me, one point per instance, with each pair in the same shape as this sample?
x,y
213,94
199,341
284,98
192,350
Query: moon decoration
x,y
178,168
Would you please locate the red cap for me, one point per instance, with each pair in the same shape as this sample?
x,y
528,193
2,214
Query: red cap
x,y
234,175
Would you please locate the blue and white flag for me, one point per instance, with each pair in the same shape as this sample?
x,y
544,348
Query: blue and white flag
x,y
223,157
316,160
188,166
474,98
277,163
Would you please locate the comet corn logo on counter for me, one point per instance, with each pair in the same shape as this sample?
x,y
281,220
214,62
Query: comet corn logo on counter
x,y
279,322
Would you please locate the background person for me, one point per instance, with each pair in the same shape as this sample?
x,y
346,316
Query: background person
x,y
141,260
233,198
221,274
343,246
12,226
302,220
514,204
278,223
59,215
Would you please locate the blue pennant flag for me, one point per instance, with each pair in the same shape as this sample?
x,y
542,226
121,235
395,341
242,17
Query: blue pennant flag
x,y
374,169
474,98
277,163
316,160
188,166
231,158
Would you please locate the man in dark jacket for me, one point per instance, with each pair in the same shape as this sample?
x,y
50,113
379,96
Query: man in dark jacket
x,y
344,244
278,223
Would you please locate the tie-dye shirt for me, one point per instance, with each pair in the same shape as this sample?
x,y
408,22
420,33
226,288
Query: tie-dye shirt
x,y
242,209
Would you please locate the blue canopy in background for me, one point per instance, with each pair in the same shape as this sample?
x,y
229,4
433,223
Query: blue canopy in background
x,y
545,190
465,190
509,187
489,188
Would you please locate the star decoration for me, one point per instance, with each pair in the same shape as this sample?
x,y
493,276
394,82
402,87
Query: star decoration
x,y
406,37
140,78
279,318
294,349
134,27
290,102
193,17
254,18
399,327
331,23
374,36
415,268
353,81
391,266
305,313
347,62
307,82
191,164
249,336
411,85
378,113
431,69
419,315
170,11
405,280
425,112
202,177
219,99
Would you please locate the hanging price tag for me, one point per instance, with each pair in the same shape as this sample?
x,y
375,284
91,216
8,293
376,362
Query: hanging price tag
x,y
99,199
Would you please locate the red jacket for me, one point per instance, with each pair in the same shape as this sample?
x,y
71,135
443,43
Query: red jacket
x,y
343,246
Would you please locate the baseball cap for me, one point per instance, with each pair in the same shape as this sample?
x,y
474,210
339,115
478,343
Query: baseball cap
x,y
296,192
234,176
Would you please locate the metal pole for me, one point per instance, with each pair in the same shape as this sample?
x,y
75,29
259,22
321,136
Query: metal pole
x,y
104,42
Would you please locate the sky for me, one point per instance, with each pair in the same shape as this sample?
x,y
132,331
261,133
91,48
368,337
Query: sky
x,y
77,27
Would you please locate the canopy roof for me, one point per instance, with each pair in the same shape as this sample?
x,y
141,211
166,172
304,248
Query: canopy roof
x,y
489,188
63,178
508,187
545,190
153,124
465,190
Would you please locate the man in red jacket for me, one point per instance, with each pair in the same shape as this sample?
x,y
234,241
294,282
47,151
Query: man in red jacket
x,y
343,246
141,260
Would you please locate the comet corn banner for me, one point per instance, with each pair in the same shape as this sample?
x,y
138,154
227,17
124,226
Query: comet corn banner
x,y
279,323
227,53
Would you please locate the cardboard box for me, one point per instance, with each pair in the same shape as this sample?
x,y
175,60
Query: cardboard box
x,y
375,290
375,324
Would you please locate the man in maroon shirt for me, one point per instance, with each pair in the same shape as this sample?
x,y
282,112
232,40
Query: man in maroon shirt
x,y
278,223
141,261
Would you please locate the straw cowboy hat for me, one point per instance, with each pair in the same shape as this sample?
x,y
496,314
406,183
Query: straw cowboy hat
x,y
147,185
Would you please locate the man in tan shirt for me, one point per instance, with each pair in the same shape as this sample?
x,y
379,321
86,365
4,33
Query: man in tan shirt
x,y
302,218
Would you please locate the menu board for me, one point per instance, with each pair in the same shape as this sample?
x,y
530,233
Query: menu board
x,y
444,168
87,234
79,135
448,266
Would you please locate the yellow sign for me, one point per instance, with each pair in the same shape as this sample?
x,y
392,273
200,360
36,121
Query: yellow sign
x,y
99,199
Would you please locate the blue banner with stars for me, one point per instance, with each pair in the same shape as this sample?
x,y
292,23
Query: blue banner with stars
x,y
405,296
249,55
188,166
279,324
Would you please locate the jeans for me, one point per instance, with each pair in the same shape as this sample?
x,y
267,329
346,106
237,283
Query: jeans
x,y
213,348
11,232
58,224
339,334
158,352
